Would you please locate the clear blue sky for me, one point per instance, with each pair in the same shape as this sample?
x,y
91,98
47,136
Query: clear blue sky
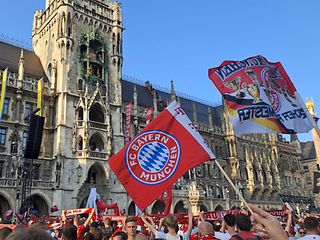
x,y
180,39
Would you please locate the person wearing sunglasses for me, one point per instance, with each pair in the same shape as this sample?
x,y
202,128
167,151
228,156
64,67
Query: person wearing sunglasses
x,y
302,232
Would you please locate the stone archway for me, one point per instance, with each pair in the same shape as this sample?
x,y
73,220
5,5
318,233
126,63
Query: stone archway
x,y
158,207
203,208
179,207
4,206
218,208
132,209
96,178
39,205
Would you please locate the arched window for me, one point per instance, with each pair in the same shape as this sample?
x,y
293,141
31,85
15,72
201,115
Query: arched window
x,y
80,113
80,143
96,113
96,143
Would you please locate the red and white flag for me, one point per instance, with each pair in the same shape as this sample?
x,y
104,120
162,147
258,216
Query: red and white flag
x,y
165,150
149,115
166,197
260,97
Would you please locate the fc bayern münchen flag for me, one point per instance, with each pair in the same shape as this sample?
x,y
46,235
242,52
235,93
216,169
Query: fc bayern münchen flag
x,y
260,97
165,150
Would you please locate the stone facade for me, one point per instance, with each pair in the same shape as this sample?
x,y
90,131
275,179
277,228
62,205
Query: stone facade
x,y
78,53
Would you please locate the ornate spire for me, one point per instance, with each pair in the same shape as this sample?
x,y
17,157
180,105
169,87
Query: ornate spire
x,y
310,106
172,93
21,67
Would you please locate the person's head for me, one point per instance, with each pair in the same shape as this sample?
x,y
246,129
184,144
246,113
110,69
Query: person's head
x,y
5,232
69,232
216,226
30,234
88,236
131,226
243,222
107,222
171,222
93,226
302,232
230,220
205,228
311,224
120,236
98,234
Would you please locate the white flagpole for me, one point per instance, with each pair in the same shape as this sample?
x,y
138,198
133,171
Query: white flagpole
x,y
234,187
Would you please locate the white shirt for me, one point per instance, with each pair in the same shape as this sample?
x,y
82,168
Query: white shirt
x,y
222,236
167,236
309,237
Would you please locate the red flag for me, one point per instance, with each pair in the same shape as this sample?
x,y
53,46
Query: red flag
x,y
167,148
54,208
166,196
260,97
149,115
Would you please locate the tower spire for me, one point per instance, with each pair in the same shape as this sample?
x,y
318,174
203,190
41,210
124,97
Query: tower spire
x,y
172,93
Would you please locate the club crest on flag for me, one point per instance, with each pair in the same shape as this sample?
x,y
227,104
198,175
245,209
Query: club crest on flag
x,y
153,156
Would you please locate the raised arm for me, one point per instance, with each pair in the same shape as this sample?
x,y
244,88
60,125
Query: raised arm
x,y
190,222
149,225
89,218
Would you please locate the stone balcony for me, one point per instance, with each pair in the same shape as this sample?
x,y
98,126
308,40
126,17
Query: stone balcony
x,y
38,184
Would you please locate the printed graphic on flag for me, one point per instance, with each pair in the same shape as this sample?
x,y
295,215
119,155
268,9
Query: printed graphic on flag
x,y
154,155
260,97
165,150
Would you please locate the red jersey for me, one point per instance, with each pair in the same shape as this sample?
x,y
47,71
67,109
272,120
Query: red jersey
x,y
244,235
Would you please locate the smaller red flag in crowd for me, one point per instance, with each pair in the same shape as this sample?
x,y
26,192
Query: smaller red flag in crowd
x,y
149,115
163,151
54,208
166,197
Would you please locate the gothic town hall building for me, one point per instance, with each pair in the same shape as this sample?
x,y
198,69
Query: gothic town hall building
x,y
78,54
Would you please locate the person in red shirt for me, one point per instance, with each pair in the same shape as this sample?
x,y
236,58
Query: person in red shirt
x,y
244,226
81,228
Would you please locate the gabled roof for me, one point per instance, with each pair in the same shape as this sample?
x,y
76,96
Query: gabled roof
x,y
10,56
145,99
308,150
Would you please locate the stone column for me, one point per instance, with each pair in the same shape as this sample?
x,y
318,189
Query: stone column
x,y
194,199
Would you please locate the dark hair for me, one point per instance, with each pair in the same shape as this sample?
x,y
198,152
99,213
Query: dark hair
x,y
70,232
216,226
230,219
94,225
123,235
243,222
311,223
30,234
88,236
98,234
130,219
5,232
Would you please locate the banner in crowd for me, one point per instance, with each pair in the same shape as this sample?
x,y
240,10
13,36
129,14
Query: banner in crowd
x,y
157,157
77,211
316,182
3,90
128,112
260,97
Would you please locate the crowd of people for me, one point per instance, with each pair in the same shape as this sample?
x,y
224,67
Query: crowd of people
x,y
256,224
